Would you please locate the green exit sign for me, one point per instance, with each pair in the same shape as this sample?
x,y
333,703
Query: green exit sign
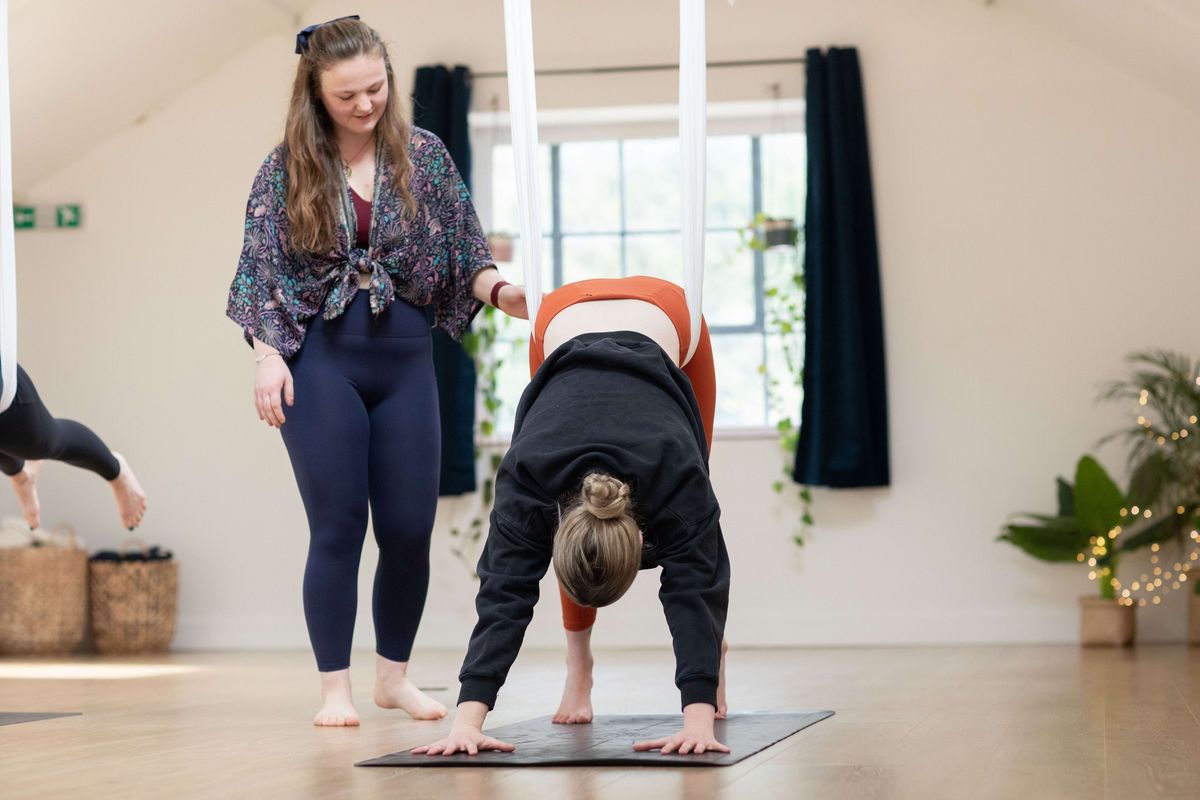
x,y
63,215
68,216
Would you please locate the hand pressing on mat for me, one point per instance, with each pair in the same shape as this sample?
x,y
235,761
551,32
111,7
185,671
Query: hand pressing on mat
x,y
696,737
466,736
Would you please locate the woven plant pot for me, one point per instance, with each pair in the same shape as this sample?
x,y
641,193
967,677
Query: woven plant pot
x,y
133,605
1106,623
43,600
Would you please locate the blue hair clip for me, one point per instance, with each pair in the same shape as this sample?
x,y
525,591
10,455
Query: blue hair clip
x,y
302,36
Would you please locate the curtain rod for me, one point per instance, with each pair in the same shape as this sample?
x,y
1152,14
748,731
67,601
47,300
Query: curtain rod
x,y
763,62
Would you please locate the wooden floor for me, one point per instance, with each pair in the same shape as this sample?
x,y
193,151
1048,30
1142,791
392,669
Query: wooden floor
x,y
1003,722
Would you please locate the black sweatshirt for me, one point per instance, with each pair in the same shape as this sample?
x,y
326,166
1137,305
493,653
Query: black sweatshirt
x,y
614,403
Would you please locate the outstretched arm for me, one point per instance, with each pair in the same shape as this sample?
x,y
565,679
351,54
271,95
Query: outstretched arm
x,y
695,599
510,567
510,299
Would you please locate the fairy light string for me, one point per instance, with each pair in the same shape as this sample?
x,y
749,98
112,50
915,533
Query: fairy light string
x,y
1152,586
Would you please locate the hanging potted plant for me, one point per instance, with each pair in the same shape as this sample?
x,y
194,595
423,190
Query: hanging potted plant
x,y
770,233
781,232
1095,525
784,306
501,245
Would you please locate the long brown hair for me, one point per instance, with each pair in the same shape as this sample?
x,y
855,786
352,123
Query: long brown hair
x,y
313,185
597,548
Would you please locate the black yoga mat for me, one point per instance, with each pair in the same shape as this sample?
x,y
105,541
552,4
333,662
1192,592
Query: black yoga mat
x,y
16,717
609,741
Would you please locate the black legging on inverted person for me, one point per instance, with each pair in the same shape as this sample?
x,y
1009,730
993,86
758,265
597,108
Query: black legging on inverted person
x,y
29,432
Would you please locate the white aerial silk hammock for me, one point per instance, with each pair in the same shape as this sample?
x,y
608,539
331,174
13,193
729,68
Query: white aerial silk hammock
x,y
8,265
522,100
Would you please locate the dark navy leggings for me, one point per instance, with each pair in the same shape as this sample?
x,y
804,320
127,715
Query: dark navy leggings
x,y
364,430
29,431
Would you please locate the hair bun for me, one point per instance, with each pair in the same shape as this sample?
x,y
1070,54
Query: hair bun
x,y
604,496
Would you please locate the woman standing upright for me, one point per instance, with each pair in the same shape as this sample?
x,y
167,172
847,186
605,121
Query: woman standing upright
x,y
355,223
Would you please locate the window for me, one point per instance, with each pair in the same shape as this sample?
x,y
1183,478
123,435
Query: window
x,y
610,208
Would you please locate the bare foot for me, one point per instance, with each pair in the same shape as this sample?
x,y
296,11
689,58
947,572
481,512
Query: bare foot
x,y
722,707
393,689
25,485
131,500
576,705
337,705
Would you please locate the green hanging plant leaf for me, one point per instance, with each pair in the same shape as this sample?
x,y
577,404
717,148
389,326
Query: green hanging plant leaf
x,y
1098,501
1047,543
1066,499
1150,477
1169,527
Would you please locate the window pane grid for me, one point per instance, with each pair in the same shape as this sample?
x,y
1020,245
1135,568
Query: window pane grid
x,y
640,244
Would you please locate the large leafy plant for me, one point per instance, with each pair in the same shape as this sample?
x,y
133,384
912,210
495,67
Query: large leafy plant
x,y
1095,524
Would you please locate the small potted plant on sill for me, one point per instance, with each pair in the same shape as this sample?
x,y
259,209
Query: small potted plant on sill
x,y
501,245
1096,525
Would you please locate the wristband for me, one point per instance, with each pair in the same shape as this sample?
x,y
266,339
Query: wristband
x,y
500,284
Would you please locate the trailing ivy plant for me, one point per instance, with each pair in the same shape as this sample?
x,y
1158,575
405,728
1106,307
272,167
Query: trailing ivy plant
x,y
484,344
784,305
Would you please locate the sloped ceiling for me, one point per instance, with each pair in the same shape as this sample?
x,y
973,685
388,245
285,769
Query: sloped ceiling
x,y
1154,41
84,70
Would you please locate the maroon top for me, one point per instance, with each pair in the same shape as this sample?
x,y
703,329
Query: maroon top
x,y
362,210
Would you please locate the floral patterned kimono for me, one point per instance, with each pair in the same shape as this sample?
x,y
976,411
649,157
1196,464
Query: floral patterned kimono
x,y
428,260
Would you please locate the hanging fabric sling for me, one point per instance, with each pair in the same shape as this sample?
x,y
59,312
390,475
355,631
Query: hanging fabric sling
x,y
522,102
8,266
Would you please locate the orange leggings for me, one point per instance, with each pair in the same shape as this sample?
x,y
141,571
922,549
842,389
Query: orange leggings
x,y
700,372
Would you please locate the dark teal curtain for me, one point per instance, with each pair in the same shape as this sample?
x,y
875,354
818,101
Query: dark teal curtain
x,y
441,98
843,417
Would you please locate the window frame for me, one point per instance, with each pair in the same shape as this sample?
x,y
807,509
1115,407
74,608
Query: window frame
x,y
755,118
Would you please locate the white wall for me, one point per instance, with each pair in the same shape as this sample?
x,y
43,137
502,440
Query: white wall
x,y
1036,211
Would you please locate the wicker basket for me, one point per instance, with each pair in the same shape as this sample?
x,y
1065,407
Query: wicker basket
x,y
133,605
43,599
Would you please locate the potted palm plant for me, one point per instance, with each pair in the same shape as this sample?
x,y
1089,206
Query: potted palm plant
x,y
1096,525
1164,451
